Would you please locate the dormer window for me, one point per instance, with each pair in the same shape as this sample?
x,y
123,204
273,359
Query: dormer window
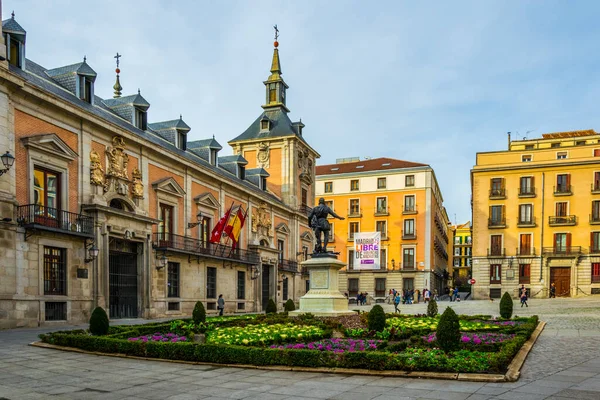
x,y
86,89
213,157
263,183
264,125
14,51
273,93
181,140
241,172
141,119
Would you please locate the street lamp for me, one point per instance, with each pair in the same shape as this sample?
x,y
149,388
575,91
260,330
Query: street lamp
x,y
93,252
198,221
7,160
161,261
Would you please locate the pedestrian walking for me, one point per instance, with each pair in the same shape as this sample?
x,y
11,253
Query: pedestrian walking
x,y
221,304
524,296
552,291
426,295
396,302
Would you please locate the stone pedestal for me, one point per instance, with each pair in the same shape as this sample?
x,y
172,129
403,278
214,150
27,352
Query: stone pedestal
x,y
324,298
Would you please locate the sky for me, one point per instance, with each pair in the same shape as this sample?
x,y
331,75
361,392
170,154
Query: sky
x,y
429,82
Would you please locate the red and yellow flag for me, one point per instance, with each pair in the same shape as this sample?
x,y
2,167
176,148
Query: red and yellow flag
x,y
234,227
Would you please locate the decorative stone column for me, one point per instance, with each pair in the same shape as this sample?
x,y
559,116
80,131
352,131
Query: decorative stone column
x,y
324,298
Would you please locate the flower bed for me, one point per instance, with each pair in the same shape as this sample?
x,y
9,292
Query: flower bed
x,y
304,342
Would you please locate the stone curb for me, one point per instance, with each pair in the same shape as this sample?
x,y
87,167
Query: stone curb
x,y
511,375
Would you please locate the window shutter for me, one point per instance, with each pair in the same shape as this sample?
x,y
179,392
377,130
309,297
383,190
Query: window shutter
x,y
568,180
532,182
568,240
503,214
554,241
592,244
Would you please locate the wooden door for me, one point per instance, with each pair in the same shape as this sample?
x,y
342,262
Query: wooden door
x,y
562,279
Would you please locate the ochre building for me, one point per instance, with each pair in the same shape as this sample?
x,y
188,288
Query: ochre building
x,y
462,249
104,207
402,201
536,216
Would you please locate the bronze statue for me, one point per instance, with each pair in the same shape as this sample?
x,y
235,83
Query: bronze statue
x,y
317,220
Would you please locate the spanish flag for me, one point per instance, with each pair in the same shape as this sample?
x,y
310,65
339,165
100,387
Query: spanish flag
x,y
234,227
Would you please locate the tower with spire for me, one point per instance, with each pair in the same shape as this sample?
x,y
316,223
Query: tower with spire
x,y
276,145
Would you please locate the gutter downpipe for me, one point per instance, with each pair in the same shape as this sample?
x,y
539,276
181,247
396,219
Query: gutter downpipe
x,y
542,233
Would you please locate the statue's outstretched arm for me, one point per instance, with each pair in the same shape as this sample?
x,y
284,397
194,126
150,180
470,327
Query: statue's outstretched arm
x,y
335,215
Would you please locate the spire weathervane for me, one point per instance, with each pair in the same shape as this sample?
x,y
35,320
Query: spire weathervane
x,y
276,32
117,86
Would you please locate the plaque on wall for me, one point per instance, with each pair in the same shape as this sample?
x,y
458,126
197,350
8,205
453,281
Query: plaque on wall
x,y
510,274
319,279
82,273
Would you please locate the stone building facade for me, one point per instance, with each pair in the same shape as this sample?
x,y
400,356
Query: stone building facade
x,y
93,175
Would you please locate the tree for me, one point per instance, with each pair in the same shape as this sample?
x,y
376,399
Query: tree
x,y
199,314
448,330
99,322
376,319
271,307
432,308
289,305
506,306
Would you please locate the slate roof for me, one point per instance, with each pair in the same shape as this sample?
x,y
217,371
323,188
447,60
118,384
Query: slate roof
x,y
206,143
81,68
257,172
135,99
235,159
376,164
281,126
12,26
172,124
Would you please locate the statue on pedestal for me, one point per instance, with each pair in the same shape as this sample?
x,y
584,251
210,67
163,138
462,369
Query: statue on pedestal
x,y
317,220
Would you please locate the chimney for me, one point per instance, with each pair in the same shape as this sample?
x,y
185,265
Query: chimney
x,y
508,133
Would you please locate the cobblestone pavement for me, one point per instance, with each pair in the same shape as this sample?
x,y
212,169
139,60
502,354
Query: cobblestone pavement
x,y
564,364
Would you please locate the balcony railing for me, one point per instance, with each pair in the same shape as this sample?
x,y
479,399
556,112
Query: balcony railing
x,y
410,235
355,213
526,222
594,249
595,218
595,187
382,211
562,190
525,251
304,209
526,192
567,251
496,252
409,209
497,222
498,193
200,248
558,220
409,267
287,265
34,216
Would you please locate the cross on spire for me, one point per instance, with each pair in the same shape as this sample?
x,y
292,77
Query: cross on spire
x,y
276,32
117,57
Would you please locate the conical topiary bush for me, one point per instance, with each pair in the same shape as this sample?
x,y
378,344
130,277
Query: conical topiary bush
x,y
199,314
289,305
99,322
506,306
376,319
448,330
271,307
432,308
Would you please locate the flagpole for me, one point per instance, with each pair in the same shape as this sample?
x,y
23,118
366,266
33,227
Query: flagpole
x,y
225,224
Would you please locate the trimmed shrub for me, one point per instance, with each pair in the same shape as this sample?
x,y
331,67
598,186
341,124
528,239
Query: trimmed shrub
x,y
376,319
506,306
448,331
99,322
199,314
432,309
271,307
289,305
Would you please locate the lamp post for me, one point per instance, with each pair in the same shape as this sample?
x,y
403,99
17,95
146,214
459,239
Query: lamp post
x,y
161,261
93,252
198,221
7,160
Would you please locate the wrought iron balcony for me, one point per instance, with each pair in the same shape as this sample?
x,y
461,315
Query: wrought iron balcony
x,y
496,252
526,192
304,209
287,265
525,251
497,222
565,251
382,211
355,213
563,190
200,248
562,220
497,193
34,216
409,209
595,249
409,235
526,222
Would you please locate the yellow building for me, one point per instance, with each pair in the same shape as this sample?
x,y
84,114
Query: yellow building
x,y
462,247
536,216
402,201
